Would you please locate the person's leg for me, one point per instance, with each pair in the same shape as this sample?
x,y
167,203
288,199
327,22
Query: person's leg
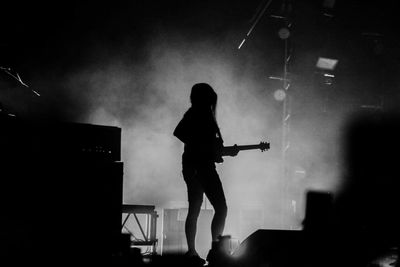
x,y
191,222
195,198
213,189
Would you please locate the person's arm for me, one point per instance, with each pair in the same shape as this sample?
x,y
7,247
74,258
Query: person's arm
x,y
179,132
184,130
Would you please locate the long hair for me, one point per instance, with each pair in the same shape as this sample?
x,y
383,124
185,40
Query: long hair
x,y
204,96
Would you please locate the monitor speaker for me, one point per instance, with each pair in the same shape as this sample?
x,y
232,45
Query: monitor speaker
x,y
272,248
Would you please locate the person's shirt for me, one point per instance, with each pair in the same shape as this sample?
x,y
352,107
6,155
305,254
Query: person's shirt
x,y
199,132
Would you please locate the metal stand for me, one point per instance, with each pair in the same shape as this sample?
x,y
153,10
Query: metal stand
x,y
284,34
148,232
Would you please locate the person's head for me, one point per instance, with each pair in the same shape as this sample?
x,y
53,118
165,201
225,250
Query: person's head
x,y
203,96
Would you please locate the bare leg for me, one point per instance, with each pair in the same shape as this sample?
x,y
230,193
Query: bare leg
x,y
218,221
191,226
195,197
215,193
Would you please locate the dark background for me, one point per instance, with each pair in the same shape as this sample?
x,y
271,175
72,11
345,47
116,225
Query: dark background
x,y
48,42
50,39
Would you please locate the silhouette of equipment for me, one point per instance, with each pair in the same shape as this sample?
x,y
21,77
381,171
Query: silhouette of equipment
x,y
307,247
149,230
60,191
271,247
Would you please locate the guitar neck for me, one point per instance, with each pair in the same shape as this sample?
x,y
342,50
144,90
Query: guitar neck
x,y
245,147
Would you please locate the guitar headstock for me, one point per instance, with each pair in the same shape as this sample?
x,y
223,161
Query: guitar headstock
x,y
264,146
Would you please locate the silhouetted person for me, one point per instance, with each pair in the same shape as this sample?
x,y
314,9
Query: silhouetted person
x,y
200,133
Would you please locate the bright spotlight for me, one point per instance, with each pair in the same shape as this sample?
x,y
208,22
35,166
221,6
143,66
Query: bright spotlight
x,y
279,95
326,63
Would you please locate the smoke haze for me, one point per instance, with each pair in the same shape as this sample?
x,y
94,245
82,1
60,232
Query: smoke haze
x,y
147,96
140,79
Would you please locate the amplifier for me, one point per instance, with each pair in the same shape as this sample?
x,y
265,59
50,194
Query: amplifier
x,y
50,140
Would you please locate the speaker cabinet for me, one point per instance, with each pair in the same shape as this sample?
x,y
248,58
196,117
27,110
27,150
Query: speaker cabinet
x,y
69,210
271,248
60,191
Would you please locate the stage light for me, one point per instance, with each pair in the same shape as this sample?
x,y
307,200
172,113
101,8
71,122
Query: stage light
x,y
326,63
225,243
279,95
240,252
284,33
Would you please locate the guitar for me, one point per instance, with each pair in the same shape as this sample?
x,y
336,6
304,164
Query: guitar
x,y
234,150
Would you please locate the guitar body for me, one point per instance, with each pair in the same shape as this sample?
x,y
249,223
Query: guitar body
x,y
218,151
